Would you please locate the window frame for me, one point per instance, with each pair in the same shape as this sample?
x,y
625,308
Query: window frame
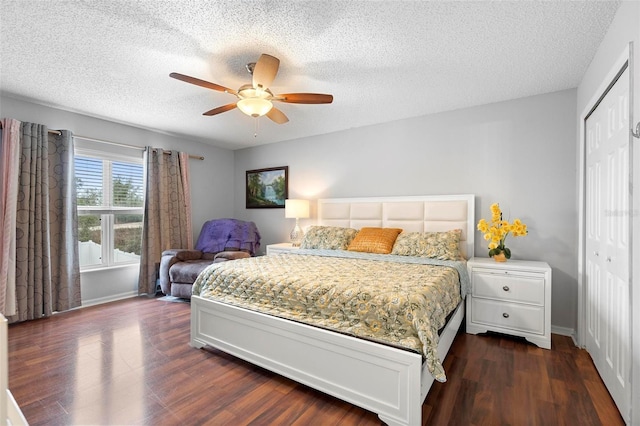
x,y
107,212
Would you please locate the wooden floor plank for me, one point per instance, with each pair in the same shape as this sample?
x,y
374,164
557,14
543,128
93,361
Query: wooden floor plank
x,y
129,362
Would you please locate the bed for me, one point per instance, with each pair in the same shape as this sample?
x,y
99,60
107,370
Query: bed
x,y
386,379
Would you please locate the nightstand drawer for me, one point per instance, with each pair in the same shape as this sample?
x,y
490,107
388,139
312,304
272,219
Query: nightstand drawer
x,y
509,287
527,318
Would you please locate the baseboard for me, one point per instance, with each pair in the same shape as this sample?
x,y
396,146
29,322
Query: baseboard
x,y
110,298
563,331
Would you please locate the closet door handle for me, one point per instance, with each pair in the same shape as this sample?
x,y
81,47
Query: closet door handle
x,y
505,315
505,288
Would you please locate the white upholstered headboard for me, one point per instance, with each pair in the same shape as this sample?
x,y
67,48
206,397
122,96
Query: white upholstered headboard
x,y
427,213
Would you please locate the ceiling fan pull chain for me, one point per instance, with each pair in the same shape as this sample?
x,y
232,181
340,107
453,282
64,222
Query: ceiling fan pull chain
x,y
255,127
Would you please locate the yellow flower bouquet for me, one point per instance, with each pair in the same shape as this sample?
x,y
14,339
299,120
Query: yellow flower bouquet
x,y
496,232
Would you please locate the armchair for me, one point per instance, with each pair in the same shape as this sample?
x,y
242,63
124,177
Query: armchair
x,y
220,240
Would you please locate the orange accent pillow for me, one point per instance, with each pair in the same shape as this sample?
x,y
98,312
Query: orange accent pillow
x,y
375,240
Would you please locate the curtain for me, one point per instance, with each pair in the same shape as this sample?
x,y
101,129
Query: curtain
x,y
186,184
47,269
167,212
9,168
63,223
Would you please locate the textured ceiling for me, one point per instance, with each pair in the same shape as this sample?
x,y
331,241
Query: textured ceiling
x,y
382,60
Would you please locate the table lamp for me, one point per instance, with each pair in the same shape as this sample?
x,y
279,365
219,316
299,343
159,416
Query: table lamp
x,y
296,209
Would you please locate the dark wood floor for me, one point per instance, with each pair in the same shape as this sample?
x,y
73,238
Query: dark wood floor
x,y
129,362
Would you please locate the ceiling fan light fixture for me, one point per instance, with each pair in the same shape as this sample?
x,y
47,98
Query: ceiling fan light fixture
x,y
255,107
254,102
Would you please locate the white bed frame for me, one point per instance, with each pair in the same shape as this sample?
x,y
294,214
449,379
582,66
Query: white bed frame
x,y
388,381
10,413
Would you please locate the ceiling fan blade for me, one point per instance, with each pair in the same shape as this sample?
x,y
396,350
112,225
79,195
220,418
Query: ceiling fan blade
x,y
265,71
304,98
221,109
201,83
277,116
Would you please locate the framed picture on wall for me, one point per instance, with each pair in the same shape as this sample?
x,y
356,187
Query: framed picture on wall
x,y
267,188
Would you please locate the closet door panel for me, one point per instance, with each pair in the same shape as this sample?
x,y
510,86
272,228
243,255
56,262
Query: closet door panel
x,y
607,255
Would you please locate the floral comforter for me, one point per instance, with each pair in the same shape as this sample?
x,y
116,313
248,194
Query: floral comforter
x,y
398,300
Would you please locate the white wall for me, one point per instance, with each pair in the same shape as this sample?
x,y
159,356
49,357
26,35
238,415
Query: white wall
x,y
211,191
625,28
519,153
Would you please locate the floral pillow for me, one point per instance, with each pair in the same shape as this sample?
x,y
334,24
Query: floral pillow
x,y
436,245
375,240
328,238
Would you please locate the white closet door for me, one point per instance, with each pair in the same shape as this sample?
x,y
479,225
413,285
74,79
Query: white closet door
x,y
607,219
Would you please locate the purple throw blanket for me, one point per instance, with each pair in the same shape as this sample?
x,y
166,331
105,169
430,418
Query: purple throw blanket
x,y
220,234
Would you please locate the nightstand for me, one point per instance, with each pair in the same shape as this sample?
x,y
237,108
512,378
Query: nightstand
x,y
280,248
512,297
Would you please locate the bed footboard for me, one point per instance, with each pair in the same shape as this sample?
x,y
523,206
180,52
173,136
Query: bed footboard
x,y
388,381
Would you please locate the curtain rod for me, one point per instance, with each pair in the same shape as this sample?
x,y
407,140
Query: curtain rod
x,y
53,132
57,132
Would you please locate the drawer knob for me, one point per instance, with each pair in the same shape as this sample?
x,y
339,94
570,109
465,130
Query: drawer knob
x,y
505,288
505,315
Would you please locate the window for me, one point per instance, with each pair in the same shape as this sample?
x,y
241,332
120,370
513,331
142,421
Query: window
x,y
110,194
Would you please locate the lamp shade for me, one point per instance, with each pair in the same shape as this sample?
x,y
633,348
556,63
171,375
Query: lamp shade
x,y
296,209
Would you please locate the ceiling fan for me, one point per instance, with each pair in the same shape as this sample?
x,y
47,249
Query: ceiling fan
x,y
256,99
